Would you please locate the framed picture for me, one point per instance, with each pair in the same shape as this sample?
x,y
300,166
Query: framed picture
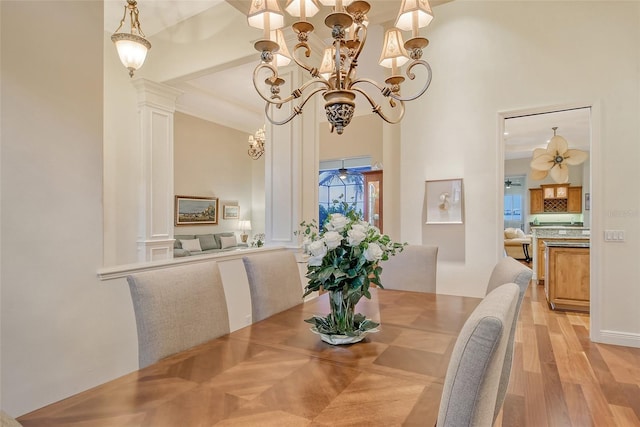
x,y
231,212
444,201
192,210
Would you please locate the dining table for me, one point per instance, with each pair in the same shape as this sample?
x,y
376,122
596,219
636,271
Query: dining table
x,y
277,372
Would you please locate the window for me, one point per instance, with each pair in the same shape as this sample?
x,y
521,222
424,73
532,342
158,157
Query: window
x,y
334,189
514,202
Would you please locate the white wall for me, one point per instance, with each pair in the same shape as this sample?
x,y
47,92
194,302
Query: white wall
x,y
62,330
211,160
490,57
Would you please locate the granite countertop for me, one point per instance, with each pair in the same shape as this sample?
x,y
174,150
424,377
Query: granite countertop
x,y
565,237
568,244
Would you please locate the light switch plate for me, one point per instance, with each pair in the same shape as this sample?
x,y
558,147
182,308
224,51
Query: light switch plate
x,y
614,235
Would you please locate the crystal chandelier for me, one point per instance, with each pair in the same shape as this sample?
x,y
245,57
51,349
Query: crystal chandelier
x,y
336,77
256,144
132,47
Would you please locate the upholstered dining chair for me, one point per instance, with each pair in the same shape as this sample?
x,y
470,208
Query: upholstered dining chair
x,y
413,269
177,308
274,283
508,270
472,381
7,420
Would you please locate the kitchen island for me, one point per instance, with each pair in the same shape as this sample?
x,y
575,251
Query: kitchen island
x,y
543,234
567,275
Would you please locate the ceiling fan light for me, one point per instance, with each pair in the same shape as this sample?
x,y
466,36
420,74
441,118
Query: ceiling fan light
x,y
342,173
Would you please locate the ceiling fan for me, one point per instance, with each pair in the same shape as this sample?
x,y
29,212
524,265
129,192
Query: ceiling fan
x,y
508,183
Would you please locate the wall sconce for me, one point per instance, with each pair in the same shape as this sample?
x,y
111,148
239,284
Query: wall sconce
x,y
256,144
132,47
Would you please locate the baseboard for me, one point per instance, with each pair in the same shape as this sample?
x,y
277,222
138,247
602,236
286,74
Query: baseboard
x,y
618,338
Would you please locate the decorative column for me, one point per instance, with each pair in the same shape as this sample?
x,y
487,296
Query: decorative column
x,y
156,105
291,170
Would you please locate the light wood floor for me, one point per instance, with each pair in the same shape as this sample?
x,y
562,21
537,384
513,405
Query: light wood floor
x,y
560,378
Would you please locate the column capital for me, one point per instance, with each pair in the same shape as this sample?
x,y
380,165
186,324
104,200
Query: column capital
x,y
157,95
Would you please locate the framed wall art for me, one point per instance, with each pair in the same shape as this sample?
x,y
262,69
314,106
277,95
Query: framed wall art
x,y
444,201
193,210
231,212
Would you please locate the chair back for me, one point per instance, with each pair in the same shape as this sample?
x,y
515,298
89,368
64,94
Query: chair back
x,y
508,270
274,283
7,420
177,308
471,385
413,269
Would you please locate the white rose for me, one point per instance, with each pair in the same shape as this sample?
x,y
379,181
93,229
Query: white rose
x,y
337,222
359,227
317,249
315,261
373,252
356,236
376,230
332,239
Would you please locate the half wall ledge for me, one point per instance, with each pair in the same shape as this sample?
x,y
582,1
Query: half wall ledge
x,y
119,271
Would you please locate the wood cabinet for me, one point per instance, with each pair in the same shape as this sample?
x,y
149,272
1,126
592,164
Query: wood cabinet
x,y
536,204
555,198
568,277
541,254
574,200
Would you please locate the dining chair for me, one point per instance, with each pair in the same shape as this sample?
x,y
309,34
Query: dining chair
x,y
177,308
274,283
413,269
508,270
472,381
7,420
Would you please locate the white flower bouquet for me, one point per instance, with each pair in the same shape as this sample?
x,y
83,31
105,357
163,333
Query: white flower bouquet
x,y
345,257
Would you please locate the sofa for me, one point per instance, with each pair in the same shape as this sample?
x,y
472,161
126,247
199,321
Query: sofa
x,y
198,244
515,242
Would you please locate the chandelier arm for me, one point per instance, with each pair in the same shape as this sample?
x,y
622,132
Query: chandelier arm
x,y
296,110
412,76
354,61
274,76
376,108
313,71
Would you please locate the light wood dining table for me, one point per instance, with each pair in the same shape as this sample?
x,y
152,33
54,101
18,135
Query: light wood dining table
x,y
277,372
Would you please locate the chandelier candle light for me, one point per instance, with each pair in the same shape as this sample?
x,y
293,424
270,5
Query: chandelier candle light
x,y
256,144
132,47
336,77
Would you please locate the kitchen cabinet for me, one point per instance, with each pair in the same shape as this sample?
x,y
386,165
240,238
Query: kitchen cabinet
x,y
536,204
568,276
541,253
555,198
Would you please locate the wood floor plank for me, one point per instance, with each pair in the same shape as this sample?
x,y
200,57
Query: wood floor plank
x,y
560,377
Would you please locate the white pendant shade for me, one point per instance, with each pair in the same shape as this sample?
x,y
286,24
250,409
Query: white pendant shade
x,y
265,14
132,50
414,14
297,7
333,2
327,67
282,56
393,49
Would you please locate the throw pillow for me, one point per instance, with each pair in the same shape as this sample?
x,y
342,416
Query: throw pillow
x,y
192,245
228,242
207,241
510,233
520,234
